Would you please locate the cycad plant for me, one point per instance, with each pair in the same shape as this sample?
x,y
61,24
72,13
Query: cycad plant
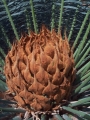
x,y
44,60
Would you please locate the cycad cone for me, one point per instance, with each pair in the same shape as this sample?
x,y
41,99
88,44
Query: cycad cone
x,y
40,70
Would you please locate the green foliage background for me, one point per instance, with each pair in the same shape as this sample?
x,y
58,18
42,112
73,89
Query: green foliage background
x,y
20,16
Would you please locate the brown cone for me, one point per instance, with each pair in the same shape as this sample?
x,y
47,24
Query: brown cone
x,y
40,70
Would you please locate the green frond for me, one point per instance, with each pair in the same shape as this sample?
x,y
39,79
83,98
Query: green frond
x,y
60,17
86,52
12,110
33,16
79,102
73,23
82,71
44,117
3,86
79,79
66,117
2,51
82,84
81,114
82,26
6,37
52,18
10,19
28,22
85,88
82,44
29,15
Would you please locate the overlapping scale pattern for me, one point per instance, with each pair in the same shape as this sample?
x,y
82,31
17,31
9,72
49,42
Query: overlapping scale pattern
x,y
40,70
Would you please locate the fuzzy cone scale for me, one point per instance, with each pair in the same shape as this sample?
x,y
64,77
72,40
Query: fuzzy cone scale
x,y
40,70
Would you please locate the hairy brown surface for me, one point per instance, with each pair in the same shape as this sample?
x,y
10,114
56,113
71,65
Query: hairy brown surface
x,y
40,70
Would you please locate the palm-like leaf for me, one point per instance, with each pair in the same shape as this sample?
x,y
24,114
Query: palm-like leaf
x,y
73,15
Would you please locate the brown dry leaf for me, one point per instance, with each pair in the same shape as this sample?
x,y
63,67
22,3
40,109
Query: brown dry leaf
x,y
26,95
49,50
21,65
44,59
27,75
35,105
57,77
50,89
36,87
41,98
19,100
45,106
